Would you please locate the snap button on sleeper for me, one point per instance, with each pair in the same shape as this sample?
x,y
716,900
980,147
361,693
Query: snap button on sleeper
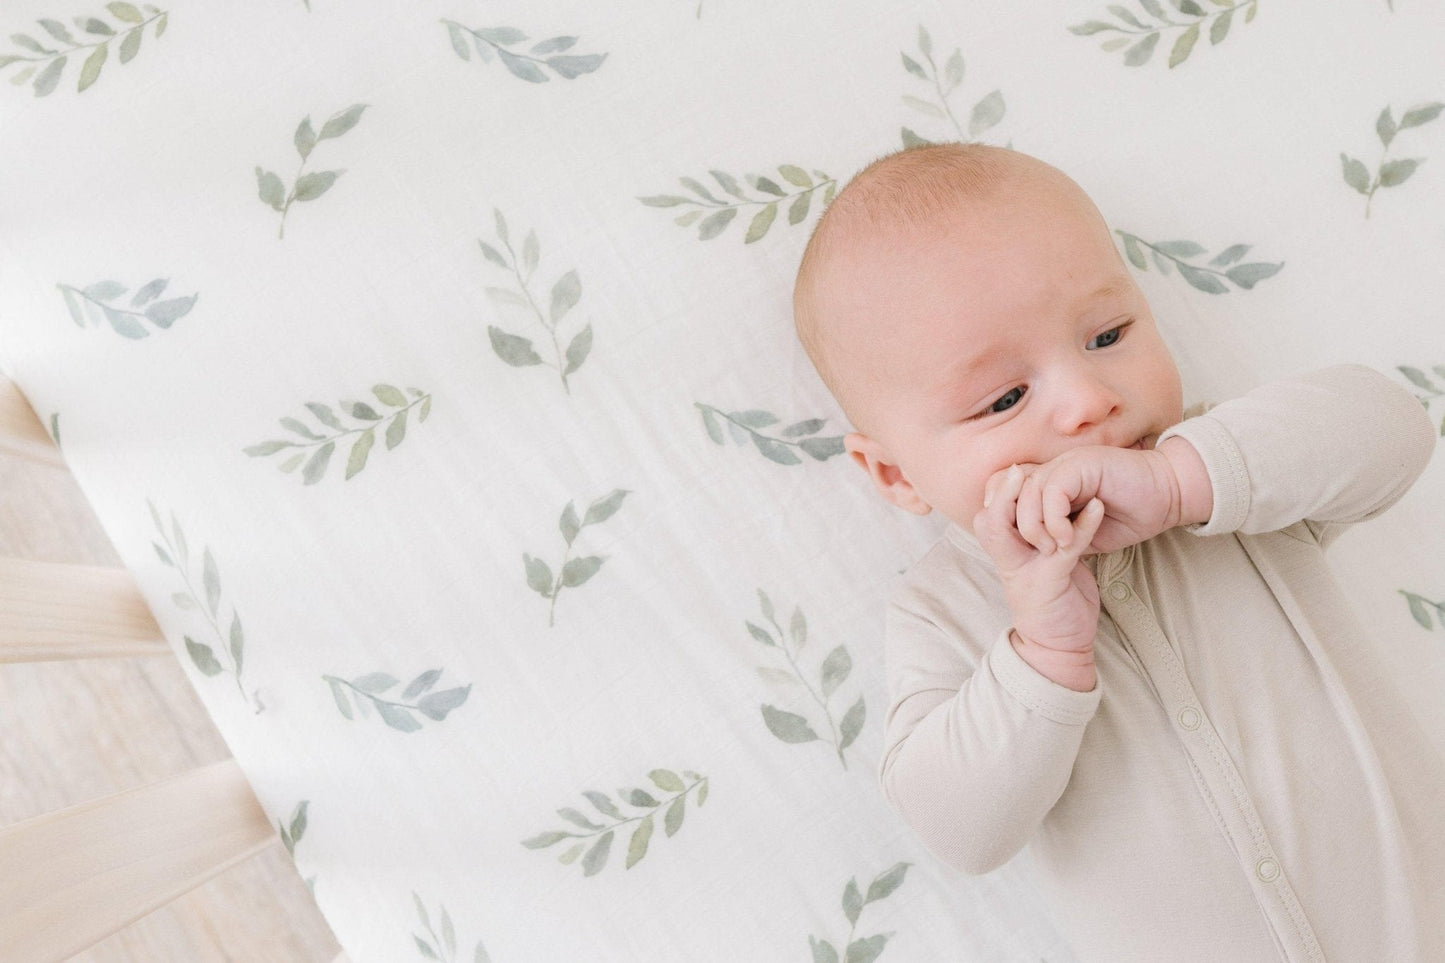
x,y
1189,718
1266,869
1119,590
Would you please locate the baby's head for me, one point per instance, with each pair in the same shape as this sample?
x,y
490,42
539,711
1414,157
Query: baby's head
x,y
968,309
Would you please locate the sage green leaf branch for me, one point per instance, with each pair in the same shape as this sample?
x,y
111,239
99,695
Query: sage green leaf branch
x,y
514,349
865,949
1156,21
792,727
89,304
445,947
176,554
574,571
596,837
1423,381
744,427
1206,278
1390,173
1420,608
489,41
46,78
367,690
986,113
290,837
769,196
308,187
322,446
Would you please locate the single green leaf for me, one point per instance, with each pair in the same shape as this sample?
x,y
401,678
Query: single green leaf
x,y
795,175
124,11
823,951
298,820
311,186
1356,174
714,224
342,121
1136,256
164,313
1220,28
821,449
667,780
578,349
986,113
539,575
776,451
305,138
676,812
56,29
1202,280
578,570
1091,27
1179,248
605,507
568,524
1183,46
596,859
1398,171
436,705
578,819
574,67
760,634
565,294
543,840
203,657
836,668
852,901
788,726
865,950
315,469
397,717
852,724
46,81
638,847
91,69
359,451
459,41
604,804
1137,56
272,191
238,641
339,694
1229,255
1248,275
98,27
514,350
1385,127
396,431
421,683
212,579
552,45
522,69
149,292
1422,114
761,222
492,254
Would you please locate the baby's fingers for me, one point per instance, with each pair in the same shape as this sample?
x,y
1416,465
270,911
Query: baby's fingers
x,y
1085,526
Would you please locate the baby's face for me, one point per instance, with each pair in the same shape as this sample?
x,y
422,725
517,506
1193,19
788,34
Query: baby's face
x,y
1012,337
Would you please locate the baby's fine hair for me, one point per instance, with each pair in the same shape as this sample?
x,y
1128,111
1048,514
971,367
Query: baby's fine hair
x,y
904,190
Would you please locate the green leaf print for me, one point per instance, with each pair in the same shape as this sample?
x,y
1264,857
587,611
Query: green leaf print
x,y
43,71
230,641
1391,173
768,196
1424,382
745,427
566,292
444,947
785,648
1141,34
1422,608
308,187
574,571
1206,277
316,449
501,43
985,114
98,304
364,693
860,949
596,838
291,835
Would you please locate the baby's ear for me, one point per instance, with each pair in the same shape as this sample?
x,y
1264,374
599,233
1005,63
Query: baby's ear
x,y
887,477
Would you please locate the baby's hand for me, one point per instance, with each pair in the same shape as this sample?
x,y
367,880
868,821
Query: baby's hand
x,y
1052,596
1140,491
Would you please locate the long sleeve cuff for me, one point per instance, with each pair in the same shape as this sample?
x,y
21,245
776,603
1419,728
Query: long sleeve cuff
x,y
1036,691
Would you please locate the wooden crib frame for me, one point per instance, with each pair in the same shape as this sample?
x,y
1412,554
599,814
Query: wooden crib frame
x,y
70,878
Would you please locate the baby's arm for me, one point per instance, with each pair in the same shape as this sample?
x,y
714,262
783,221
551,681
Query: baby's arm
x,y
1331,447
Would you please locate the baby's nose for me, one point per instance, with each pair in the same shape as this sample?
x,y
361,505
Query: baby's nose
x,y
1085,403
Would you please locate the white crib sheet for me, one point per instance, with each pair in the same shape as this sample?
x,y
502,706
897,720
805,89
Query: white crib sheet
x,y
431,367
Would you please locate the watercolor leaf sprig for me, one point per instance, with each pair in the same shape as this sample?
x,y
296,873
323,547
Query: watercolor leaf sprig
x,y
601,834
985,114
89,303
46,79
746,426
1424,382
176,554
1203,277
1390,173
573,572
1420,608
792,727
322,446
366,693
1131,26
445,947
307,187
514,349
865,949
549,53
769,197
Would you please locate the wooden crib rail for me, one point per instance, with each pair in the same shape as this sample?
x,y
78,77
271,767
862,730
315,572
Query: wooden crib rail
x,y
54,611
20,430
68,879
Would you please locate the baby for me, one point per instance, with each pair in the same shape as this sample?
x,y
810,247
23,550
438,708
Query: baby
x,y
1208,766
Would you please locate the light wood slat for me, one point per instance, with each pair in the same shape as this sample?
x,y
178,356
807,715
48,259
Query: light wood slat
x,y
70,878
54,611
20,430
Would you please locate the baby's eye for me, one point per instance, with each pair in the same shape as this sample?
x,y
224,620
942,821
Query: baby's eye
x,y
1006,402
1107,338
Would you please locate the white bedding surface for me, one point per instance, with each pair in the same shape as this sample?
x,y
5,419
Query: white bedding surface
x,y
491,503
